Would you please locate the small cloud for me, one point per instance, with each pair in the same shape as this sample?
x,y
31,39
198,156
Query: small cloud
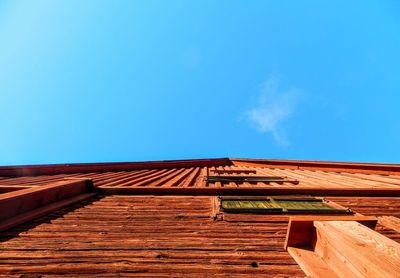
x,y
273,108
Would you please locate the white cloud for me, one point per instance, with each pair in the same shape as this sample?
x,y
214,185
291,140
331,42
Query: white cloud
x,y
273,108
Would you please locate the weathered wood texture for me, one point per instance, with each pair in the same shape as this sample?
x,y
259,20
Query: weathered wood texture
x,y
146,236
311,263
375,206
173,236
366,252
346,249
390,222
51,169
193,177
301,228
19,206
159,236
332,166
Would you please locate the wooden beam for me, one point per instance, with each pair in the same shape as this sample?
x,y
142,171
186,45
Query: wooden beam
x,y
390,222
369,253
52,169
233,171
39,212
26,204
249,191
9,188
311,263
301,228
334,259
352,167
343,246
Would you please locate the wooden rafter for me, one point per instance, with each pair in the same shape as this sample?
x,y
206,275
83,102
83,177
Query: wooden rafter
x,y
19,206
342,247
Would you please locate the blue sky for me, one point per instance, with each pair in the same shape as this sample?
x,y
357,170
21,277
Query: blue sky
x,y
95,81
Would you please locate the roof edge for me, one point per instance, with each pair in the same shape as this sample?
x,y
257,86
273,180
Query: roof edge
x,y
364,167
52,169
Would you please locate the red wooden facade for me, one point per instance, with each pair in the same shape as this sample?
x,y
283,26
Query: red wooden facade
x,y
163,219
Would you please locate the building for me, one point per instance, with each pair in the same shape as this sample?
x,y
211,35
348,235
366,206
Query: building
x,y
200,218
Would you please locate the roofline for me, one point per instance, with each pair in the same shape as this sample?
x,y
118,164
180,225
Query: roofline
x,y
336,166
52,169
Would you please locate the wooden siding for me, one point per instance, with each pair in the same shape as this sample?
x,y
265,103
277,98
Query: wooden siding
x,y
145,236
374,206
160,236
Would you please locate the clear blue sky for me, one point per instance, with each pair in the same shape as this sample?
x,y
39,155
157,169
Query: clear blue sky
x,y
95,81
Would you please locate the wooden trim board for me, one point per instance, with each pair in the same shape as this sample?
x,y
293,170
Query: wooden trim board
x,y
337,247
51,169
301,228
390,222
253,191
26,204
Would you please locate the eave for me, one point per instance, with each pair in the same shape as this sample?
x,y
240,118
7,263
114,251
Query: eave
x,y
52,169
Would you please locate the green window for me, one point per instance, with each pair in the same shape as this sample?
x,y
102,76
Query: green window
x,y
281,205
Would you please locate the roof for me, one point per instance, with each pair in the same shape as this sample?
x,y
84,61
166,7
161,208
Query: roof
x,y
190,176
52,169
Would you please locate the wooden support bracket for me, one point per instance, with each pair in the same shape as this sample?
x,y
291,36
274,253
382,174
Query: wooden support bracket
x,y
301,228
390,222
9,188
19,206
340,246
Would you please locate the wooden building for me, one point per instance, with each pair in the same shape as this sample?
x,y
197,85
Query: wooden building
x,y
200,218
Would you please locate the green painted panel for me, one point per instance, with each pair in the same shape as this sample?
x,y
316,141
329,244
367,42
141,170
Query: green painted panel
x,y
307,206
292,205
266,205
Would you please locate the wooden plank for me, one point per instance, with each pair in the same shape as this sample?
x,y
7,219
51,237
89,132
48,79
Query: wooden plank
x,y
311,263
233,171
216,214
9,188
51,169
248,178
301,228
147,236
32,170
36,213
378,168
121,177
238,191
191,179
390,222
332,257
23,205
20,201
347,248
370,253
